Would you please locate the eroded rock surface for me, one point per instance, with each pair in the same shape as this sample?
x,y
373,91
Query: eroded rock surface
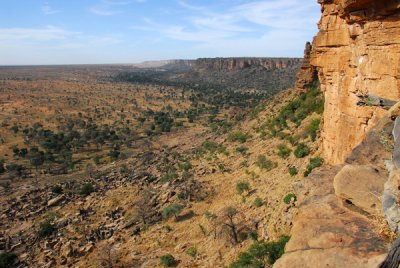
x,y
325,234
360,186
356,52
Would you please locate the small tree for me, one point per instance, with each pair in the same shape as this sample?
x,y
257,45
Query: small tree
x,y
283,151
242,187
168,260
301,150
7,259
293,171
143,206
212,218
46,228
264,163
172,210
229,222
86,189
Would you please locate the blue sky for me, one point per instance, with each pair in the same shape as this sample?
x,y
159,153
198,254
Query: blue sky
x,y
129,31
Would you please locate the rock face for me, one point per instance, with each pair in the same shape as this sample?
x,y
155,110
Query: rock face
x,y
333,227
307,73
364,196
230,64
325,234
356,52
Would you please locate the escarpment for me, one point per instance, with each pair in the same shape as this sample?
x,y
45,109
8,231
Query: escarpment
x,y
356,53
230,64
346,211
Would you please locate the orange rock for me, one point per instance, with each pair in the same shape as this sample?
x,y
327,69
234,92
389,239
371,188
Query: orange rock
x,y
357,51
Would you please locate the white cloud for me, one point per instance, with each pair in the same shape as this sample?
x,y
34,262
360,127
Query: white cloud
x,y
185,5
35,34
48,10
253,21
102,11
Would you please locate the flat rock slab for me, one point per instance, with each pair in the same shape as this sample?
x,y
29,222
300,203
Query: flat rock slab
x,y
361,186
325,234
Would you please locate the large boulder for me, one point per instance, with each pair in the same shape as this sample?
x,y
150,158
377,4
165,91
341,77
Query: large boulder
x,y
360,186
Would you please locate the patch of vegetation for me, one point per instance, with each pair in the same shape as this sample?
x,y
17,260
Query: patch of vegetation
x,y
258,202
168,260
302,150
314,163
242,149
288,198
192,252
57,189
293,171
261,254
185,166
214,147
46,228
298,109
172,210
239,136
86,189
242,187
264,163
6,186
168,177
7,259
284,151
313,128
2,166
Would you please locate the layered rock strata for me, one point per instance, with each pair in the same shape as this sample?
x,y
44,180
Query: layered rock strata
x,y
230,64
356,52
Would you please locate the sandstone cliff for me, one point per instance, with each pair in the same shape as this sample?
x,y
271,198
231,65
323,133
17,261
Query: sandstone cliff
x,y
356,52
230,64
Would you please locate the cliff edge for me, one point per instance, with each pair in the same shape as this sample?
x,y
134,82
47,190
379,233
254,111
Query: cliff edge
x,y
356,53
344,208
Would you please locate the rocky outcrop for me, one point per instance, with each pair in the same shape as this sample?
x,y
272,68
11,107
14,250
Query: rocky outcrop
x,y
307,73
326,234
230,64
334,226
356,52
364,196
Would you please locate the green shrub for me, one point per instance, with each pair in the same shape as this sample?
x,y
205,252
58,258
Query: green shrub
x,y
238,136
261,254
264,163
293,171
242,149
314,163
7,259
57,189
283,151
168,177
253,235
172,210
242,187
312,128
258,202
244,164
210,146
301,150
185,166
288,198
46,228
213,147
192,252
86,189
168,260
